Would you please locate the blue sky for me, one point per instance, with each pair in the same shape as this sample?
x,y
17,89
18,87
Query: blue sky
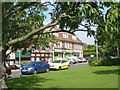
x,y
81,35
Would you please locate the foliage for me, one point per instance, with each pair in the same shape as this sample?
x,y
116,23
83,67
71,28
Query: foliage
x,y
95,62
104,62
108,34
110,61
23,21
42,41
90,50
24,63
13,67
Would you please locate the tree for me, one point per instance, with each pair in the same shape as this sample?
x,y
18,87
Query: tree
x,y
108,33
21,21
90,50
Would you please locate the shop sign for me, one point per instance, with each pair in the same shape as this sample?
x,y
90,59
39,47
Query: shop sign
x,y
58,50
70,51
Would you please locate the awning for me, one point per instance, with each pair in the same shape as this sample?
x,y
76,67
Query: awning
x,y
26,55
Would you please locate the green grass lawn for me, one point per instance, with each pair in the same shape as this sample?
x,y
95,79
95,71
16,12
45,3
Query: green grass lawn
x,y
80,77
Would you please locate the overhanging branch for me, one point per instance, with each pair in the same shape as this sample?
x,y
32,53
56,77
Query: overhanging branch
x,y
33,32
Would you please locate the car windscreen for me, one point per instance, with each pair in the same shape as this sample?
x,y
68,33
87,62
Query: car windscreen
x,y
31,64
57,61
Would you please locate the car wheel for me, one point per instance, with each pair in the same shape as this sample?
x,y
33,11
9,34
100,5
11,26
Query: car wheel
x,y
35,71
47,70
68,67
60,68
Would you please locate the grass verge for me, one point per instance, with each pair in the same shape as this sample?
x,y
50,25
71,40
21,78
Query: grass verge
x,y
80,77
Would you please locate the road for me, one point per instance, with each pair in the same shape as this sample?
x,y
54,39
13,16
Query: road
x,y
17,73
79,65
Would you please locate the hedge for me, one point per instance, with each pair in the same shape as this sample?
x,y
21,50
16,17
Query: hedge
x,y
104,62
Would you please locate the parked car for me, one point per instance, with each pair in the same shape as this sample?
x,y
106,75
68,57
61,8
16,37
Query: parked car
x,y
84,60
80,60
72,60
35,67
8,71
59,64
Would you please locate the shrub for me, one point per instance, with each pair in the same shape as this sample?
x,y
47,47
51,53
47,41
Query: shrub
x,y
12,67
105,62
109,61
96,62
24,63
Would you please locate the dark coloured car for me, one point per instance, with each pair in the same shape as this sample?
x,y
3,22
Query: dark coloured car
x,y
8,71
35,67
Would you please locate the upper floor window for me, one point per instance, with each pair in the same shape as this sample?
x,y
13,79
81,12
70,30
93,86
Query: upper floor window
x,y
70,45
56,34
65,35
74,37
61,44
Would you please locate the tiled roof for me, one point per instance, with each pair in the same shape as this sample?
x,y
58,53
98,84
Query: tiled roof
x,y
69,39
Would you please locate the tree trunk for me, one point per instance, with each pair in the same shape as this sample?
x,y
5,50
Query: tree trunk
x,y
118,51
4,78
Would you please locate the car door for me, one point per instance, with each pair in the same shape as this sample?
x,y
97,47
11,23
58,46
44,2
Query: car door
x,y
43,66
39,66
63,64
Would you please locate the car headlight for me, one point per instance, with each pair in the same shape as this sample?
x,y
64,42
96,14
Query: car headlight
x,y
30,68
20,68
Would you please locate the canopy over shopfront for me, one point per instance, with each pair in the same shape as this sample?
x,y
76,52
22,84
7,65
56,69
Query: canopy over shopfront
x,y
25,55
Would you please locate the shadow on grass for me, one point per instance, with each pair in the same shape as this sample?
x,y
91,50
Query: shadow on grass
x,y
29,81
115,71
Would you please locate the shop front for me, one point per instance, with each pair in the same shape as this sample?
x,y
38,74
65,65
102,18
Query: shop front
x,y
62,53
41,56
78,53
58,53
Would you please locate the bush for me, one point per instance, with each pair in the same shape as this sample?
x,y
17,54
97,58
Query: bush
x,y
24,63
105,62
96,62
109,62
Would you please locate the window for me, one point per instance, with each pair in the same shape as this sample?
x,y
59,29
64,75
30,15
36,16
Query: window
x,y
65,44
56,34
70,46
73,37
60,44
65,35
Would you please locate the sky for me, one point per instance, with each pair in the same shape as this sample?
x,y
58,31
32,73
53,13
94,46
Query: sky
x,y
80,34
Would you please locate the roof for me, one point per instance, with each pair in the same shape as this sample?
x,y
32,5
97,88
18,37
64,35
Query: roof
x,y
69,39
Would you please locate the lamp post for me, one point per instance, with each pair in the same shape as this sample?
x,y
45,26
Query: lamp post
x,y
19,56
96,45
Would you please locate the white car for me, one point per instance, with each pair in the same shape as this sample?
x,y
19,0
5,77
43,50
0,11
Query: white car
x,y
72,60
80,60
84,60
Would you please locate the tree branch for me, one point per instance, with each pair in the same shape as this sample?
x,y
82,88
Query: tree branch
x,y
33,32
63,30
24,6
